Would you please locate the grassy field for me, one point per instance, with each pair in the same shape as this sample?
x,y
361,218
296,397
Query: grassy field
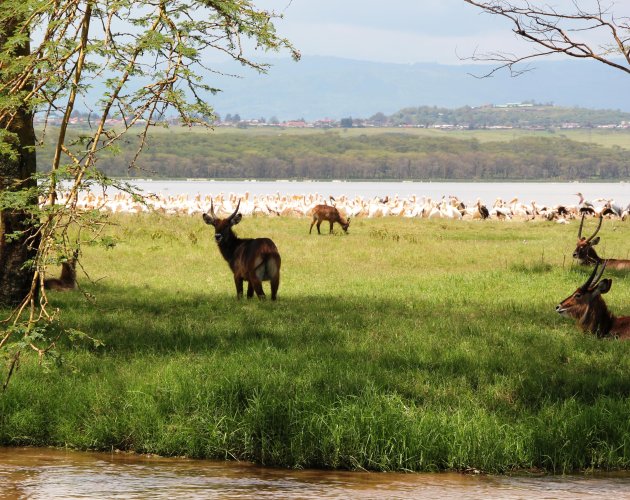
x,y
603,137
404,345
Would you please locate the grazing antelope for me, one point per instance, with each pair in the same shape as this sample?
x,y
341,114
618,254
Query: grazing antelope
x,y
587,255
68,279
251,259
587,306
331,214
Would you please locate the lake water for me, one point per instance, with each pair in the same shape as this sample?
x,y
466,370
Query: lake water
x,y
41,473
544,193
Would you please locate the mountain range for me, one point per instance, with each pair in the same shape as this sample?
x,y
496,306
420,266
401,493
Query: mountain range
x,y
326,87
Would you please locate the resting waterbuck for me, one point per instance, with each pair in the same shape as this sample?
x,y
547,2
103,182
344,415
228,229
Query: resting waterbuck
x,y
251,259
586,254
68,279
331,214
587,306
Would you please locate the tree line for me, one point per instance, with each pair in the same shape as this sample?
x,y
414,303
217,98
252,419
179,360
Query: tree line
x,y
524,115
334,155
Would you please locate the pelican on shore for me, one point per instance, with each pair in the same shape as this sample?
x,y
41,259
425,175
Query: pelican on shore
x,y
300,205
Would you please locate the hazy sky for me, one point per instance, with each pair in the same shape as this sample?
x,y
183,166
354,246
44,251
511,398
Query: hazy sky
x,y
400,31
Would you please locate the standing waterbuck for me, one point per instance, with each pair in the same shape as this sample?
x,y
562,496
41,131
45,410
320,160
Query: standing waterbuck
x,y
251,259
586,254
587,306
331,214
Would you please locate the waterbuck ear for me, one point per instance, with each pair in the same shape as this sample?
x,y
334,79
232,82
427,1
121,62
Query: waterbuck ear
x,y
237,218
208,220
595,241
604,285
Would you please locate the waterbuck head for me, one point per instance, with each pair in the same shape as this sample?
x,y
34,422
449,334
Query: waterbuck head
x,y
222,227
590,292
588,308
584,250
345,225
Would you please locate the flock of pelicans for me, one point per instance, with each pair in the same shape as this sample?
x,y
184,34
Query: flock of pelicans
x,y
255,260
450,207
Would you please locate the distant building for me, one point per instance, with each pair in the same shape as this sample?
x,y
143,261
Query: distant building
x,y
295,124
515,105
325,123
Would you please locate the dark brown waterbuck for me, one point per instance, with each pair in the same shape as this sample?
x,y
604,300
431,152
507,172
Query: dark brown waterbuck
x,y
587,306
251,259
331,214
68,278
586,254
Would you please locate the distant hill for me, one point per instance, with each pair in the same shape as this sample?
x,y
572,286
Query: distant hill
x,y
521,115
319,87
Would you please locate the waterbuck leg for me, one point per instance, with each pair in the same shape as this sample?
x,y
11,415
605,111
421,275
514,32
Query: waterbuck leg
x,y
319,223
331,227
275,283
312,223
239,287
250,290
257,284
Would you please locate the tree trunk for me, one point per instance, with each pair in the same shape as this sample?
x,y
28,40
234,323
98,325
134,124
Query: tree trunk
x,y
16,174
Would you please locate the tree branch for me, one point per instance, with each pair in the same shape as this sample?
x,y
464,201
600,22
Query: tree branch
x,y
566,33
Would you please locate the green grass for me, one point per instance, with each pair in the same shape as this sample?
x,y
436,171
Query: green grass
x,y
602,137
405,345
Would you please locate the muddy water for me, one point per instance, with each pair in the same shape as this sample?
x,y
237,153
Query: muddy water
x,y
36,473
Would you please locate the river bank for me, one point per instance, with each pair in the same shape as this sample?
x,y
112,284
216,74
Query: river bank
x,y
49,474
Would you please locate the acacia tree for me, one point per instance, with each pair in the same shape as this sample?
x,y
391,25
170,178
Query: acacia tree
x,y
149,56
588,29
17,167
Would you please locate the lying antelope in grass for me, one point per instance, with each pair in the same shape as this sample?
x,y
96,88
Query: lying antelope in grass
x,y
587,306
331,214
252,260
68,278
586,254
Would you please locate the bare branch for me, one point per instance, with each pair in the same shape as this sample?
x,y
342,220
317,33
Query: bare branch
x,y
576,33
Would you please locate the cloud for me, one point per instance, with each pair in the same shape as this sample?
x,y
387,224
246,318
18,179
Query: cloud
x,y
405,31
387,45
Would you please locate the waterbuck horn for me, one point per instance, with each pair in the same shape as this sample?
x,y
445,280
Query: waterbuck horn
x,y
212,214
595,276
601,218
580,230
600,273
235,211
